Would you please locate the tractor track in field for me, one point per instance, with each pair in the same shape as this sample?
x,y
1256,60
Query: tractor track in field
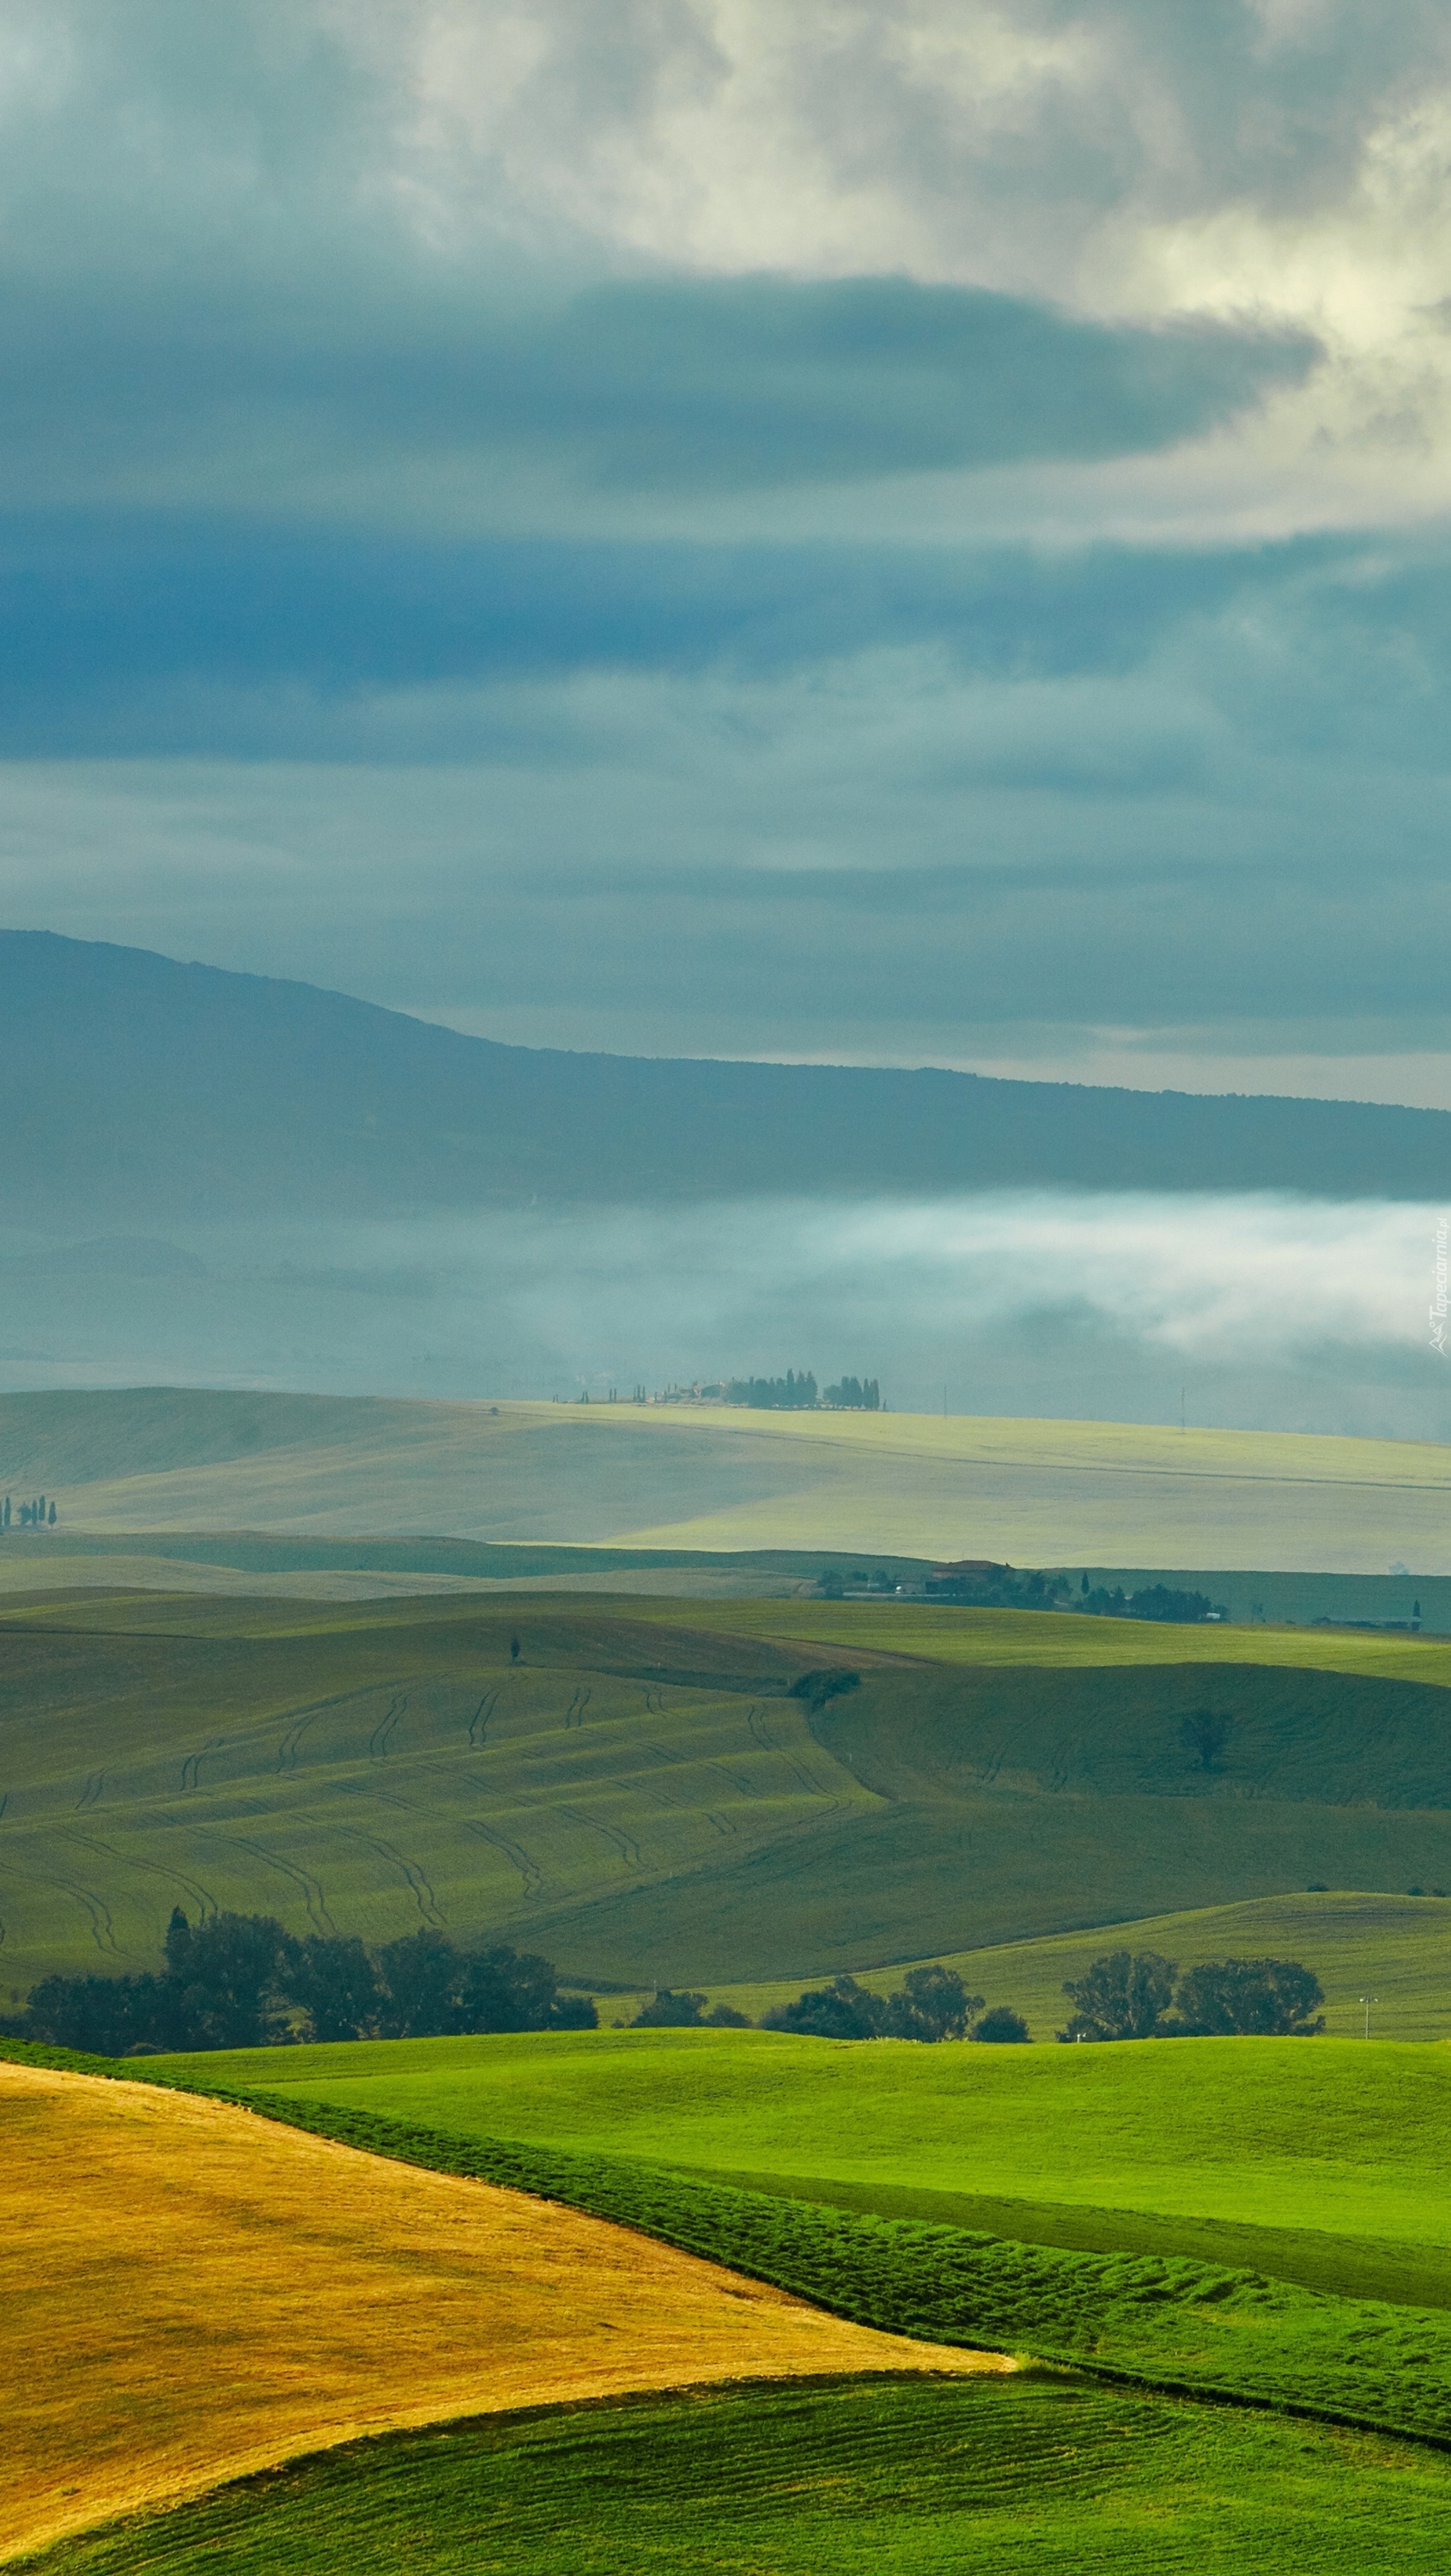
x,y
416,1879
191,1887
479,1722
91,1792
574,1714
756,1721
380,1742
95,1908
194,1761
625,1844
311,1888
718,1823
299,1722
528,1868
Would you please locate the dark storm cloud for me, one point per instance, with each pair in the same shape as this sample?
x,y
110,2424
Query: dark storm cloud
x,y
674,386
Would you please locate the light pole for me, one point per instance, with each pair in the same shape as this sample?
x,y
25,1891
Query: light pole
x,y
1368,2000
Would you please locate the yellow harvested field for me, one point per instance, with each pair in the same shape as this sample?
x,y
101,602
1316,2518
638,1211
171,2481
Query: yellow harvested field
x,y
191,2293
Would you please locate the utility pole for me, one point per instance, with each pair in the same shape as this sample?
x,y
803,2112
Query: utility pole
x,y
1368,2000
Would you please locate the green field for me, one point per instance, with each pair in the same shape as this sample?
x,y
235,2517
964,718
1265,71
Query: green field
x,y
853,2176
1326,2162
669,1476
1041,2478
1396,1948
639,1796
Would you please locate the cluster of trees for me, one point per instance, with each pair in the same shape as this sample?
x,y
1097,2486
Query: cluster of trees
x,y
799,1393
1143,1996
788,1394
37,1515
996,1587
930,2004
854,1395
1155,1601
241,1981
687,2011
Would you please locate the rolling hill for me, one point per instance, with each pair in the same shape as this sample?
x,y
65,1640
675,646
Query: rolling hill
x,y
193,2295
641,1797
171,1087
677,1480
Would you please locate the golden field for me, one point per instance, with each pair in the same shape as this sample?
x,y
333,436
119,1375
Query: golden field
x,y
192,2293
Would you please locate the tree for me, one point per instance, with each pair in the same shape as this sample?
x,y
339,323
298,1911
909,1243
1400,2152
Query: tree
x,y
1083,1587
504,1989
1205,1732
222,1987
1160,1601
513,1650
51,1515
432,1990
336,1984
842,2010
726,2017
817,1688
930,2004
573,2012
1120,1997
1002,2024
1264,1998
105,2016
668,2011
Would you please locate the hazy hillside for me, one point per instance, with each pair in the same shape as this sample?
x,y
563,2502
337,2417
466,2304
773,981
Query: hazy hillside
x,y
669,1477
143,1089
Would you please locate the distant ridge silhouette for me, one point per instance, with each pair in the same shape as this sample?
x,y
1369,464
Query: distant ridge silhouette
x,y
140,1087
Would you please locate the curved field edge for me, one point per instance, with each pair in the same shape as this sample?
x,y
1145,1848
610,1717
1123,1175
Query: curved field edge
x,y
1216,2333
874,2479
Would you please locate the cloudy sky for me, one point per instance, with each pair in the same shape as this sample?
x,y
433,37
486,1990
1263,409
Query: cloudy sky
x,y
889,530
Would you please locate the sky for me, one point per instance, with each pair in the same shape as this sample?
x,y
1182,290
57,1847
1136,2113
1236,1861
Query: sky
x,y
896,533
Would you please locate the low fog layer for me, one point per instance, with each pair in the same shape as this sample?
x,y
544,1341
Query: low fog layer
x,y
1259,1312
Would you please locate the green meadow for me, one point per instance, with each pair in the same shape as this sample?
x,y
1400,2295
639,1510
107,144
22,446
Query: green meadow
x,y
1396,1949
1038,2476
1321,2161
638,1793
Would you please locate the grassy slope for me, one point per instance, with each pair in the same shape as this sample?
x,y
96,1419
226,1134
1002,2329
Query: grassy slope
x,y
1394,1947
1003,2474
190,2293
372,1771
638,1799
1343,2137
1065,1493
1225,2501
1326,2164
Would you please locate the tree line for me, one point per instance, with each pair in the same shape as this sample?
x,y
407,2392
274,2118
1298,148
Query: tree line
x,y
1141,1995
1154,1601
931,2004
242,1981
799,1393
38,1514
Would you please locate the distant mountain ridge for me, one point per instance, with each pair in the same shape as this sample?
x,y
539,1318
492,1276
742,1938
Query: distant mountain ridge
x,y
146,1088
